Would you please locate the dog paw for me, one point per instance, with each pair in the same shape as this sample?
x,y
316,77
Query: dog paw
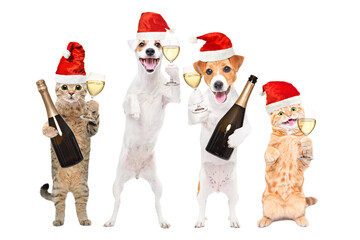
x,y
58,222
50,132
173,71
135,116
264,222
236,138
200,224
109,223
85,222
234,223
165,224
302,221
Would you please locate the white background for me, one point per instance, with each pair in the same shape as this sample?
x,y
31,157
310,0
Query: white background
x,y
312,44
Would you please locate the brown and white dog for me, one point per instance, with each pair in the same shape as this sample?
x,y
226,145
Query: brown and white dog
x,y
144,108
217,175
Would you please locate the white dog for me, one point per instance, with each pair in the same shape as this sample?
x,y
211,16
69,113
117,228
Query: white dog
x,y
217,175
144,108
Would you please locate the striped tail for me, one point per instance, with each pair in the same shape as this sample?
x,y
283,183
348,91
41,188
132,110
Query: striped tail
x,y
44,192
310,201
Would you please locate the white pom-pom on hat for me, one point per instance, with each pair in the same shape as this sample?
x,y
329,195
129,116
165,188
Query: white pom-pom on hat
x,y
172,30
66,54
262,93
193,39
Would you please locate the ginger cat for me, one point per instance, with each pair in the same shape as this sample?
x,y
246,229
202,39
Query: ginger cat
x,y
283,197
71,104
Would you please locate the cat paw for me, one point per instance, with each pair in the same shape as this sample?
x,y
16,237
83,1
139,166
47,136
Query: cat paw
x,y
306,146
58,222
50,132
93,106
109,223
264,222
302,221
85,222
271,154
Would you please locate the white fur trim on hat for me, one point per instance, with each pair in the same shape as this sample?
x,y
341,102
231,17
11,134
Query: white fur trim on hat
x,y
151,35
70,79
284,103
212,56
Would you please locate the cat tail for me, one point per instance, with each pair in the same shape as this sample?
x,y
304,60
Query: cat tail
x,y
45,193
310,201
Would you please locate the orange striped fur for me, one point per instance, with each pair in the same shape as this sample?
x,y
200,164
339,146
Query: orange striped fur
x,y
283,197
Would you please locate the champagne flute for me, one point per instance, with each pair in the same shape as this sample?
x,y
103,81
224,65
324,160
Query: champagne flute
x,y
95,84
171,49
306,126
192,78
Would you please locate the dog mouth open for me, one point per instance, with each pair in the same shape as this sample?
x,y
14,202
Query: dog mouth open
x,y
149,63
221,96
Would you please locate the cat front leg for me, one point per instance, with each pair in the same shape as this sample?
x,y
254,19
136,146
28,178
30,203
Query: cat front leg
x,y
93,117
306,147
131,106
49,131
271,155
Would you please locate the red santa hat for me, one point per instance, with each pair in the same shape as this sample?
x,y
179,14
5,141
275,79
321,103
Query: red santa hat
x,y
152,26
217,47
71,67
280,94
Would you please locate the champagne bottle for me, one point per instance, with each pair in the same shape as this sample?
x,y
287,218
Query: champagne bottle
x,y
64,144
231,121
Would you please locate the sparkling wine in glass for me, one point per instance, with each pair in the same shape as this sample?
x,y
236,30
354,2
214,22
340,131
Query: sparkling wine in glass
x,y
171,49
95,84
306,126
192,78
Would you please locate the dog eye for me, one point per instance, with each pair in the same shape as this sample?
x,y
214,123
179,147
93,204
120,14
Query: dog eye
x,y
281,113
209,71
158,45
293,109
227,69
78,87
141,44
64,87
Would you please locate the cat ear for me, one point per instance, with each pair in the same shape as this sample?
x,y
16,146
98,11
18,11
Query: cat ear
x,y
132,44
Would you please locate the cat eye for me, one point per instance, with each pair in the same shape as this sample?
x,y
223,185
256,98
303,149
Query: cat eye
x,y
281,113
227,69
78,87
64,87
209,71
293,109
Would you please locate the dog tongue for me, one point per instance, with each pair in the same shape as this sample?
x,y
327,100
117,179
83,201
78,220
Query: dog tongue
x,y
150,63
220,97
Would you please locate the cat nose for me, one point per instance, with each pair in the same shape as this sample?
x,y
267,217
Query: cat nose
x,y
71,93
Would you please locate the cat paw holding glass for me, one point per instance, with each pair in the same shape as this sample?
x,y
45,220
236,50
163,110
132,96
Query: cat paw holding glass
x,y
95,84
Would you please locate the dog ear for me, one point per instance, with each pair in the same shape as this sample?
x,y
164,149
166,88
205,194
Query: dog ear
x,y
199,67
236,61
132,44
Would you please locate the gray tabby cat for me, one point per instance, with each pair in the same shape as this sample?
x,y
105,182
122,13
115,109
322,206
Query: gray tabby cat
x,y
71,105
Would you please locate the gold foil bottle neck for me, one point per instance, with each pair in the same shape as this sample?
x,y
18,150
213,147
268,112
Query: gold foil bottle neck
x,y
245,94
49,105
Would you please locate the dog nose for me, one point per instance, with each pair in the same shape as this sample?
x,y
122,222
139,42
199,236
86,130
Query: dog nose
x,y
150,51
218,85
